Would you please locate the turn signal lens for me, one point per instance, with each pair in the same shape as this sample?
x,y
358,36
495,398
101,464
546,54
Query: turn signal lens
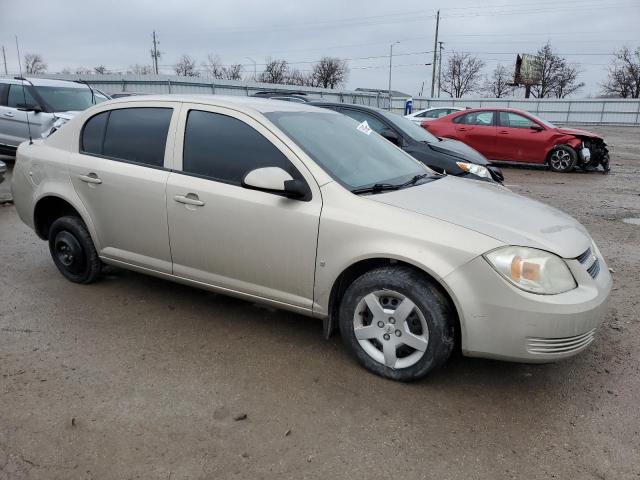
x,y
532,270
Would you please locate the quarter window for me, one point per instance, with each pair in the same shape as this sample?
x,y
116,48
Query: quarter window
x,y
137,135
224,148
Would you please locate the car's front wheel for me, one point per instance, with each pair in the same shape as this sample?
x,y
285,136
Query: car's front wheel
x,y
397,323
73,251
562,159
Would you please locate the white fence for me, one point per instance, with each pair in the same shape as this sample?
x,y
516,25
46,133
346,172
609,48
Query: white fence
x,y
562,111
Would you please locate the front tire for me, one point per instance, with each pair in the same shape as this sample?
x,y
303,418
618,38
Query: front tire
x,y
562,159
396,323
73,251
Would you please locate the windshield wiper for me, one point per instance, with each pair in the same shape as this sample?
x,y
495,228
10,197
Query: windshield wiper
x,y
383,187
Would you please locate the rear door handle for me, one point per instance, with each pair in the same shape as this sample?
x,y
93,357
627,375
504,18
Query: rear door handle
x,y
91,178
8,114
189,199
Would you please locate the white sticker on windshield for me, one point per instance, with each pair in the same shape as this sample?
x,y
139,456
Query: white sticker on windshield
x,y
365,128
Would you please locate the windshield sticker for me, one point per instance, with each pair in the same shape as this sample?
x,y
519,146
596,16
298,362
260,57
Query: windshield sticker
x,y
364,128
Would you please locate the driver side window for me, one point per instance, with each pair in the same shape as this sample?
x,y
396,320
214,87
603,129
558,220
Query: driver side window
x,y
374,124
513,120
17,95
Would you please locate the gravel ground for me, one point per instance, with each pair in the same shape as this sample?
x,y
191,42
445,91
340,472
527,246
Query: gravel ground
x,y
135,377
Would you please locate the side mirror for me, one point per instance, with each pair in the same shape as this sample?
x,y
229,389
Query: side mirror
x,y
26,107
275,180
390,135
536,128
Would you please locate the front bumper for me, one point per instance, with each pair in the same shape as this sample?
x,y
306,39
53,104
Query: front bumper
x,y
498,320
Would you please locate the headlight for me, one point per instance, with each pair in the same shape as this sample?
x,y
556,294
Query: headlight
x,y
532,270
478,170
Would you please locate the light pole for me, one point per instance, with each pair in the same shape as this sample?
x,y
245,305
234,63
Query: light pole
x,y
254,67
390,62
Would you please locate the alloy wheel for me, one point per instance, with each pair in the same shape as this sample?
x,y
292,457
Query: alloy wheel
x,y
560,159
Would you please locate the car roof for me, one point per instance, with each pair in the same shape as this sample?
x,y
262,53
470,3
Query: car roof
x,y
320,103
262,105
42,82
493,109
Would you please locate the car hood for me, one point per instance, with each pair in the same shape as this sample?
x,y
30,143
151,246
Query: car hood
x,y
495,211
65,115
575,131
460,150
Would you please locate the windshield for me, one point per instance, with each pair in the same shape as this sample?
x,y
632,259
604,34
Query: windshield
x,y
416,132
546,123
65,99
349,151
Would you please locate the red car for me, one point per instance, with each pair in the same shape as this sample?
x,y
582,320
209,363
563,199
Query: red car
x,y
510,135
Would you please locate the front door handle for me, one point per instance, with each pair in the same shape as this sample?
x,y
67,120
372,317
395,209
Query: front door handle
x,y
503,132
91,178
8,114
189,199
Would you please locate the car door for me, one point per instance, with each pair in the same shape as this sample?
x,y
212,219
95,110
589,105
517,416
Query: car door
x,y
14,128
520,139
478,130
120,174
244,241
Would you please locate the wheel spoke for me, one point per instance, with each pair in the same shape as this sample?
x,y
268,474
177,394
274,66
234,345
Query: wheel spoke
x,y
403,310
414,341
373,302
367,332
390,356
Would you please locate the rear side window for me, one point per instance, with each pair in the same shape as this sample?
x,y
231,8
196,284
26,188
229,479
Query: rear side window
x,y
137,135
476,118
224,148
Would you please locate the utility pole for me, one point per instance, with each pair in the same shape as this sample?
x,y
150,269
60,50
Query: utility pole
x,y
440,68
435,54
390,60
155,54
4,57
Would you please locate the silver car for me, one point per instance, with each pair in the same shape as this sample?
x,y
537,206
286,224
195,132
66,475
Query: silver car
x,y
39,105
431,114
308,210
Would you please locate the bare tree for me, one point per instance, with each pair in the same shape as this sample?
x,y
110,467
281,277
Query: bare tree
x,y
624,74
299,78
186,66
556,78
34,64
101,70
66,71
499,84
275,71
138,69
461,75
213,66
330,72
233,72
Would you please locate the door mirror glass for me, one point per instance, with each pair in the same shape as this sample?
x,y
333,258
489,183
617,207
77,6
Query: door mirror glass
x,y
27,107
274,180
390,135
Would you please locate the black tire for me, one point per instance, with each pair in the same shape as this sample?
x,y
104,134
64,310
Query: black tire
x,y
433,306
562,159
73,251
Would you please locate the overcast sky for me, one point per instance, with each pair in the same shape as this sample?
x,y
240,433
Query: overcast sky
x,y
75,33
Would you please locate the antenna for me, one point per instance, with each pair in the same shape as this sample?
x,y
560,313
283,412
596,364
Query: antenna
x,y
24,93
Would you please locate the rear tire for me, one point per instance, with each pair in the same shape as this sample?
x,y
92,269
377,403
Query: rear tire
x,y
562,159
73,251
397,324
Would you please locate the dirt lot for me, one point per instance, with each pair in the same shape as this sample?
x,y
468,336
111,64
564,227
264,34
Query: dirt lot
x,y
135,377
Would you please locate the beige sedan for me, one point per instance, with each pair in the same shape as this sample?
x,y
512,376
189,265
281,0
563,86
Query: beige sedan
x,y
307,210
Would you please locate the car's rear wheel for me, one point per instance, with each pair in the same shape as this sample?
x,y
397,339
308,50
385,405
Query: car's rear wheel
x,y
73,251
397,323
562,159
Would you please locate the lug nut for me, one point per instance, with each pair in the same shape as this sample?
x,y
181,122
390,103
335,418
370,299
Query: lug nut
x,y
392,320
386,336
398,333
381,324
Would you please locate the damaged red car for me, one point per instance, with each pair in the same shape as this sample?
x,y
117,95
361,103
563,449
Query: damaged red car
x,y
510,135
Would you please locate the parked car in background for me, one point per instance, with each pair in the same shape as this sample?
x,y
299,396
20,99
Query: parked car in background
x,y
442,155
304,209
431,113
125,94
284,95
39,105
3,170
511,135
